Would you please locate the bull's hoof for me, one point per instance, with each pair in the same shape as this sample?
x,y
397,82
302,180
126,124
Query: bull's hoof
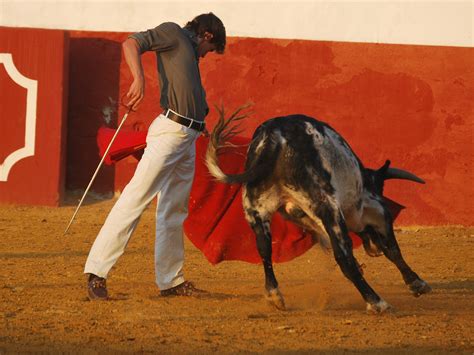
x,y
419,287
275,298
379,307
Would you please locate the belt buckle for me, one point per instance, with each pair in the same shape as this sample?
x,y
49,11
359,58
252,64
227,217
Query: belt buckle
x,y
191,120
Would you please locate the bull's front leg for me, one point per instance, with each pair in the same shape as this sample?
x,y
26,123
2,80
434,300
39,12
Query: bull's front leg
x,y
336,228
387,242
261,227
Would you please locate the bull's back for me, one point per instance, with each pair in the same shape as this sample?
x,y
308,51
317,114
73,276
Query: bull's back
x,y
311,149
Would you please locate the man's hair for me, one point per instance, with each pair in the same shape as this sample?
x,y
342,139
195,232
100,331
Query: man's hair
x,y
212,24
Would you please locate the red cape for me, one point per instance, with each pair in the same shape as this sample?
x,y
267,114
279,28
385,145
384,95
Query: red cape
x,y
216,224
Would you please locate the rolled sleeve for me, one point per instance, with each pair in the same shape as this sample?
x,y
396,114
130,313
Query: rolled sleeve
x,y
161,38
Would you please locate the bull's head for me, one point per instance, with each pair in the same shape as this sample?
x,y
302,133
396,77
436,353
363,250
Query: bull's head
x,y
376,178
379,217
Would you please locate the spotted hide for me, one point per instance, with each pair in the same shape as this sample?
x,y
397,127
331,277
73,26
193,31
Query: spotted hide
x,y
302,168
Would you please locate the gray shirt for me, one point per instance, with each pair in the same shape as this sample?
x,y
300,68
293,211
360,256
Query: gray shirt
x,y
178,68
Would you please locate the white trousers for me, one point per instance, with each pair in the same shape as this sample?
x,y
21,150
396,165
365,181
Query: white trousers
x,y
167,170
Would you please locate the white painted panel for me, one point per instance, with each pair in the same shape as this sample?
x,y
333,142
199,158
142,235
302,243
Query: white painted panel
x,y
405,22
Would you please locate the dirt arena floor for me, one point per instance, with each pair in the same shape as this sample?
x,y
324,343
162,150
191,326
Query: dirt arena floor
x,y
45,309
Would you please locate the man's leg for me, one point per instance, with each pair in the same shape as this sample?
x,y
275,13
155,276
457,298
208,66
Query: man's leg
x,y
166,143
172,210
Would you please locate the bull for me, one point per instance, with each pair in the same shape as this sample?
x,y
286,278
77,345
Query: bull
x,y
302,168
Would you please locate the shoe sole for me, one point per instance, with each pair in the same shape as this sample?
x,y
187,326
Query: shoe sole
x,y
93,297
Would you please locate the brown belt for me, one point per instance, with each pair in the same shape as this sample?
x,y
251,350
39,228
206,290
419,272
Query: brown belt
x,y
188,122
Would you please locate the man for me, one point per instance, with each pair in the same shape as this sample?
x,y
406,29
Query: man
x,y
166,168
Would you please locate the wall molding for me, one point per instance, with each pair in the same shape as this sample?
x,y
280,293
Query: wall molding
x,y
31,86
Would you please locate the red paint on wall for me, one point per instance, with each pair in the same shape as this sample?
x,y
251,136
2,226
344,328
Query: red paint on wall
x,y
410,104
39,55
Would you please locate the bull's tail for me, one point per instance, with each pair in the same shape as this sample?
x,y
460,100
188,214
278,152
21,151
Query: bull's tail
x,y
258,161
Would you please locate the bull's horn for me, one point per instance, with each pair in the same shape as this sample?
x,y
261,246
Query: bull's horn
x,y
394,173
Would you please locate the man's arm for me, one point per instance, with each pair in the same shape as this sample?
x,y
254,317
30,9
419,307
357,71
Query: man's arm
x,y
131,51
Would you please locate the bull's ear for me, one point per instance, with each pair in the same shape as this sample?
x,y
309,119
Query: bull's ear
x,y
394,207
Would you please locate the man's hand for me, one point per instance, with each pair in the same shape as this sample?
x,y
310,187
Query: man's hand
x,y
136,93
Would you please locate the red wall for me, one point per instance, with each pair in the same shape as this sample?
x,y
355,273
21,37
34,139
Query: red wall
x,y
411,104
40,55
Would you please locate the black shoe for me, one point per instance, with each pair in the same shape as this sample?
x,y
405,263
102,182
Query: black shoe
x,y
97,288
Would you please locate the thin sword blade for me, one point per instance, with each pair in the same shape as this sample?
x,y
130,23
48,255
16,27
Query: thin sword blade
x,y
96,171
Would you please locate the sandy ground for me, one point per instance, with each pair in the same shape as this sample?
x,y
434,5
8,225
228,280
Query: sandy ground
x,y
44,307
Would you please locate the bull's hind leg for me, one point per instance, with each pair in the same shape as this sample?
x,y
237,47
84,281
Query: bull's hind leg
x,y
259,206
261,227
386,241
336,228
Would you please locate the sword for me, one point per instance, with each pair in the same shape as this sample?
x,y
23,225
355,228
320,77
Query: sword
x,y
97,170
